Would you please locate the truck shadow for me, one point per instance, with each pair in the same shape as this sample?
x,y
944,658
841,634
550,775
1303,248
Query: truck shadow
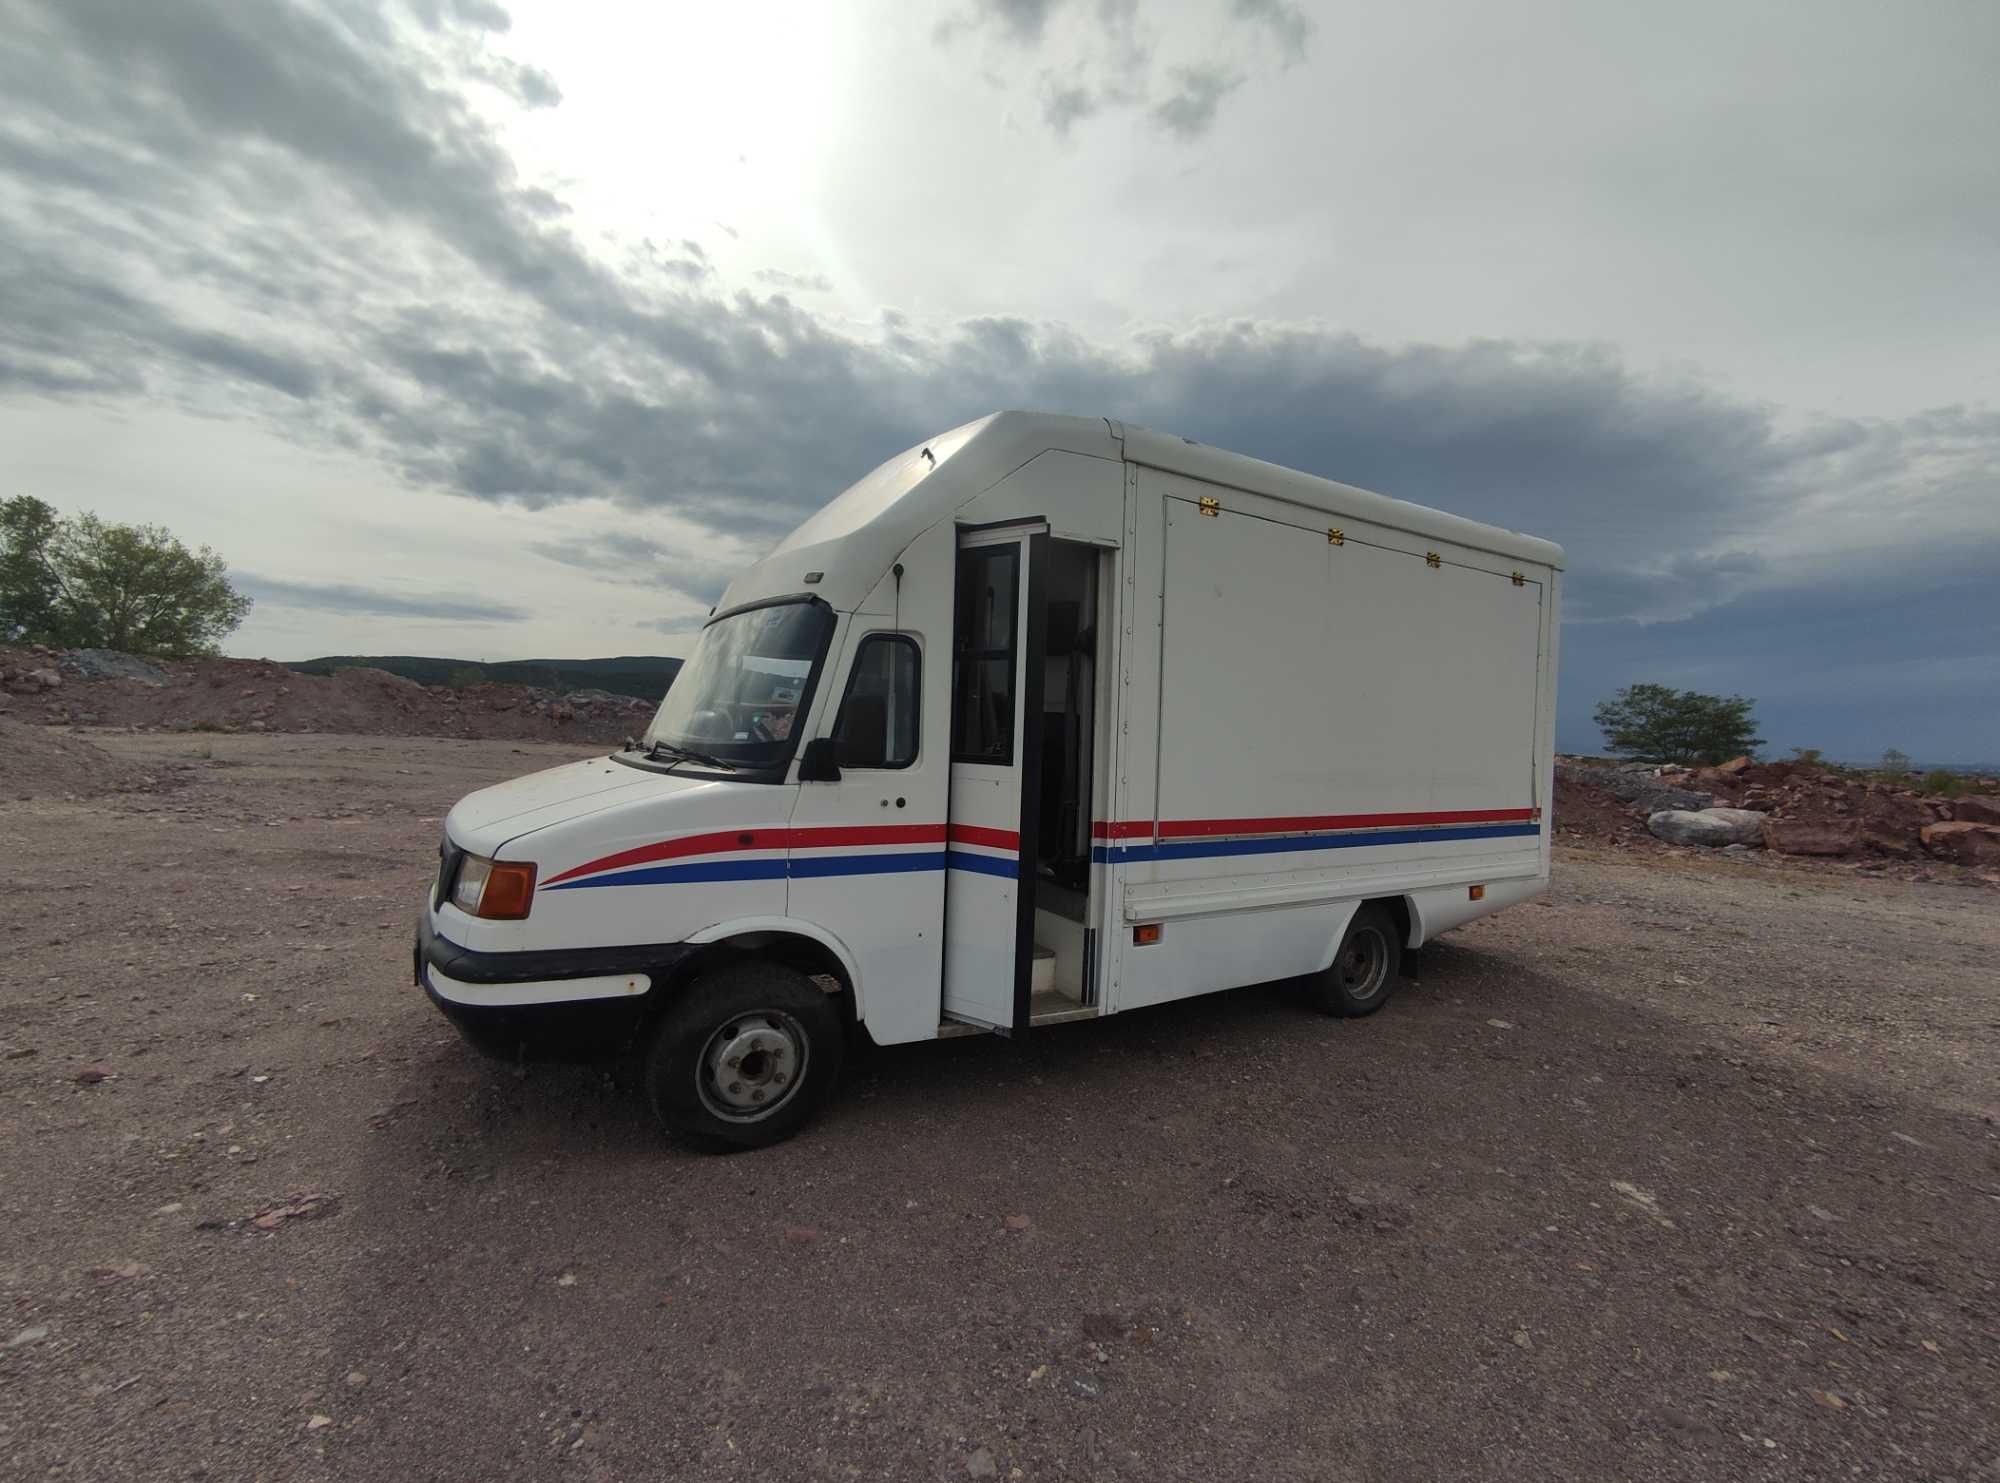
x,y
1136,1063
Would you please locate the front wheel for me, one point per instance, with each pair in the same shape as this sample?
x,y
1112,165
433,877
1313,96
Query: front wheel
x,y
744,1056
1365,969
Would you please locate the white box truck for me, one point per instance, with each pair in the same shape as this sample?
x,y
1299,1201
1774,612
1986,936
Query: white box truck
x,y
1045,719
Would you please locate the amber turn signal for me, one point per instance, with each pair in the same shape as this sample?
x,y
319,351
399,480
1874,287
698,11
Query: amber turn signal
x,y
510,891
1146,934
1477,893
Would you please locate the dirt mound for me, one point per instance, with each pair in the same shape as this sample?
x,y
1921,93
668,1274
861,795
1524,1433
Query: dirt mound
x,y
38,763
257,695
1583,808
1849,819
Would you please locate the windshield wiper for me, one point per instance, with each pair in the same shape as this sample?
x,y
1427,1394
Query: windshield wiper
x,y
687,754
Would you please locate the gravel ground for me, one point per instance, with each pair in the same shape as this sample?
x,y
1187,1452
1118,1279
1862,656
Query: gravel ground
x,y
1690,1171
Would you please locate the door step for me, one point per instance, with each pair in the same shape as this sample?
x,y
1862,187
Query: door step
x,y
1042,976
1053,1008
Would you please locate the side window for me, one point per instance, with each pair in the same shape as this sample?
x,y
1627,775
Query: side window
x,y
982,655
877,725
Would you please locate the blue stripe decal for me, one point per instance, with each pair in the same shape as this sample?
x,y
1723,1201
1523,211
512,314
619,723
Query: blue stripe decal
x,y
1007,867
814,867
661,875
805,867
1285,844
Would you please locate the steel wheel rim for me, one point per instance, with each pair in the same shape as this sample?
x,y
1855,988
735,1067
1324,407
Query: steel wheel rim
x,y
751,1065
1362,965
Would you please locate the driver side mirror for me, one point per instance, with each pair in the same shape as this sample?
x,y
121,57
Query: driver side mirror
x,y
819,763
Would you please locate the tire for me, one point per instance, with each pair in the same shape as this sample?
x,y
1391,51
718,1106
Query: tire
x,y
1366,967
778,1033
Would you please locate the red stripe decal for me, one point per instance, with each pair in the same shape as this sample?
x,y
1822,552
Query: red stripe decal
x,y
1303,823
728,841
997,839
1121,829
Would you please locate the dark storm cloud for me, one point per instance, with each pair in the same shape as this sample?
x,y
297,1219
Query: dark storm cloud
x,y
1290,27
1109,60
1023,20
639,561
291,213
1198,91
342,597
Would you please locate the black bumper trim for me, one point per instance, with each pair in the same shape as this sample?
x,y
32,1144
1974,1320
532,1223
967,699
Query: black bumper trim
x,y
470,967
566,1030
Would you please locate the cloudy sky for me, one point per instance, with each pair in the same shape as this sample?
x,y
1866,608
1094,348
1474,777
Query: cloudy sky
x,y
505,332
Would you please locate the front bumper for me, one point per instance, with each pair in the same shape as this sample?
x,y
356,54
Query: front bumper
x,y
562,1004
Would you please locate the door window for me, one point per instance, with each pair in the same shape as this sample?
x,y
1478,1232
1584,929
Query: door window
x,y
982,660
877,725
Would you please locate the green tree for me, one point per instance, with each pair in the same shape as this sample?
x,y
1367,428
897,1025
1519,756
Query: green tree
x,y
30,595
1895,764
1655,723
82,583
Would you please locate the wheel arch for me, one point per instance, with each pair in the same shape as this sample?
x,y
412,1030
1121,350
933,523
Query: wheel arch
x,y
1409,921
802,946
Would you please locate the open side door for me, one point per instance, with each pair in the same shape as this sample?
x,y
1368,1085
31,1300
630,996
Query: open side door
x,y
996,749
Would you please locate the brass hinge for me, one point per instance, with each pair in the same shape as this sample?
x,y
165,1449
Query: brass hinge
x,y
1519,580
1431,558
1210,505
1336,537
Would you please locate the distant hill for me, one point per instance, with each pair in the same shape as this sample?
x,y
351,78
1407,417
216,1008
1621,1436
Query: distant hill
x,y
646,676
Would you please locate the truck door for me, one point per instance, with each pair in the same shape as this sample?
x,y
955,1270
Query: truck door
x,y
996,747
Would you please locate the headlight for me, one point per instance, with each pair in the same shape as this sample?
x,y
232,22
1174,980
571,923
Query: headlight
x,y
501,890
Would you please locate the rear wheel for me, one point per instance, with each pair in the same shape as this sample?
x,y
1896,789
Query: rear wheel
x,y
744,1056
1366,967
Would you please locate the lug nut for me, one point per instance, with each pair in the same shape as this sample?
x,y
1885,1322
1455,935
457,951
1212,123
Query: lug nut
x,y
733,1062
779,1078
758,1095
736,1087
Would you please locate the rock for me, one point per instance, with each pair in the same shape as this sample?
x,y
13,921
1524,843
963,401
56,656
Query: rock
x,y
1018,1222
1967,844
1523,1340
90,1076
1811,836
1976,810
357,1378
1712,827
1890,822
41,679
33,1335
319,1422
109,664
299,1205
1639,787
1734,765
801,1235
981,1464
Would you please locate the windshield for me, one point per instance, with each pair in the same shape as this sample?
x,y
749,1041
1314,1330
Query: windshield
x,y
738,695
